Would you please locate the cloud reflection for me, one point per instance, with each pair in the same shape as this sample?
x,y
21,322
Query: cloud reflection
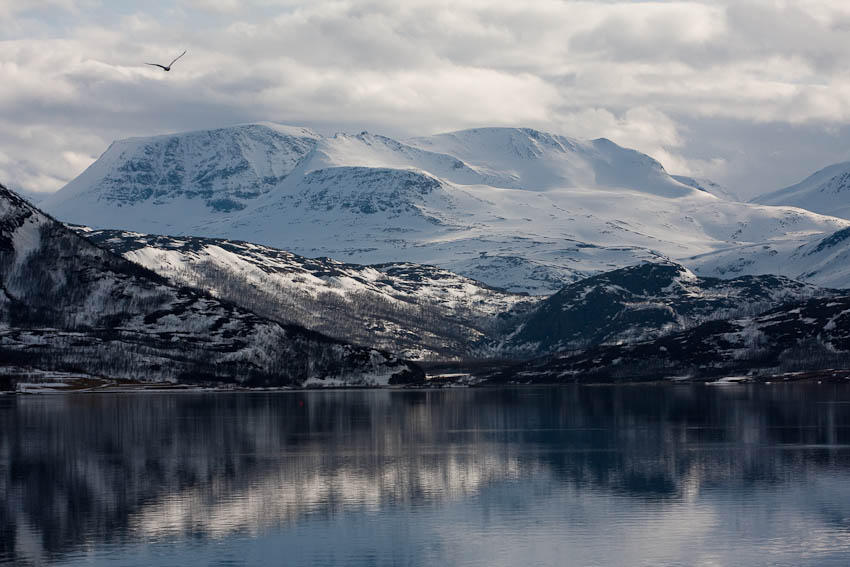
x,y
657,473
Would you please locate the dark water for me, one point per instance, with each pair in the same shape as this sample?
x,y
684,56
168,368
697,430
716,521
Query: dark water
x,y
677,475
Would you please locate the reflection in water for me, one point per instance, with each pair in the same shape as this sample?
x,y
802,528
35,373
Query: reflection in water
x,y
610,476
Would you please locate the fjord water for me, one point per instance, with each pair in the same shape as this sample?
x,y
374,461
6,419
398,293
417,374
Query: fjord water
x,y
635,475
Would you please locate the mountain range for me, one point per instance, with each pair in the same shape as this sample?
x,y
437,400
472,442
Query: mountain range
x,y
514,208
271,255
426,313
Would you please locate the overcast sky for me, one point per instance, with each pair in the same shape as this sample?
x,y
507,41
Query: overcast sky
x,y
753,94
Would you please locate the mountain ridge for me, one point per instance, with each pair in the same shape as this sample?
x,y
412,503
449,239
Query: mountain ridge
x,y
810,336
644,302
412,310
826,191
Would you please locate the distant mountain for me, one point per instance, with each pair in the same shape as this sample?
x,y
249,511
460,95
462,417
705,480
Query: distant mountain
x,y
171,182
413,310
708,186
813,335
821,258
645,302
66,304
826,191
514,208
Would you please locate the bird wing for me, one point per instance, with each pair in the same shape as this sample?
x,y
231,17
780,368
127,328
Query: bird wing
x,y
176,58
157,65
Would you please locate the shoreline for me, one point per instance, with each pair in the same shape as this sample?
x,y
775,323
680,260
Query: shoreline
x,y
21,381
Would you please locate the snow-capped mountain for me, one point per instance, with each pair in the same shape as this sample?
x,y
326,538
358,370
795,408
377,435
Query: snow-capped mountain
x,y
644,302
826,191
813,335
514,208
412,310
173,181
66,304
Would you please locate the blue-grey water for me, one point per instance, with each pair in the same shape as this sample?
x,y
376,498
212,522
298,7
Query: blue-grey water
x,y
643,475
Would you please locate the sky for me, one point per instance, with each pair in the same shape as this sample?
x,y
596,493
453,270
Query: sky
x,y
753,94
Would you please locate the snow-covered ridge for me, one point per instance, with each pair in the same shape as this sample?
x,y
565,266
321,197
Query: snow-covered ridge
x,y
515,208
424,312
646,302
823,259
826,191
412,310
539,161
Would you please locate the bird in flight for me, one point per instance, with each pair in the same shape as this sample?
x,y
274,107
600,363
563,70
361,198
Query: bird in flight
x,y
167,67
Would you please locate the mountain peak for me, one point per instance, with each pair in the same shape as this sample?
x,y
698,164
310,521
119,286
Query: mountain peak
x,y
539,161
172,178
825,191
243,128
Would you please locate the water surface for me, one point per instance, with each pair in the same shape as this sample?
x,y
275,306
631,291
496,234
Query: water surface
x,y
643,475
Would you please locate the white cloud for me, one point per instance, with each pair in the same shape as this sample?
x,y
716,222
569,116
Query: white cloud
x,y
646,74
215,5
14,7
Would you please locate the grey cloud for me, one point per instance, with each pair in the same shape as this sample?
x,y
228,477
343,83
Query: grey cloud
x,y
702,86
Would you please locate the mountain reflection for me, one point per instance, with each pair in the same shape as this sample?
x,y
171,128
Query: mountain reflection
x,y
90,470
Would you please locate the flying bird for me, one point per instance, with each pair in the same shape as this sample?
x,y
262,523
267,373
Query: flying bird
x,y
167,67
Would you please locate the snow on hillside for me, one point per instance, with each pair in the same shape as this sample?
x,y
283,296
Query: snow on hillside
x,y
412,310
539,161
806,336
644,302
708,186
823,260
826,191
514,208
70,305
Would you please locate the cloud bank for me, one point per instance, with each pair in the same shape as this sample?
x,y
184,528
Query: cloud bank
x,y
754,94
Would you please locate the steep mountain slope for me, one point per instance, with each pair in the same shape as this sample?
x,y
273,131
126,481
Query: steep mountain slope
x,y
173,181
515,208
645,302
826,191
809,336
412,310
66,304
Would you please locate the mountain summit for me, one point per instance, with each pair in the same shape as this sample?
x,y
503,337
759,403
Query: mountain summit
x,y
171,181
826,191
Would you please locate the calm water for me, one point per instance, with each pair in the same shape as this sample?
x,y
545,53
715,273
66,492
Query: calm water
x,y
677,475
